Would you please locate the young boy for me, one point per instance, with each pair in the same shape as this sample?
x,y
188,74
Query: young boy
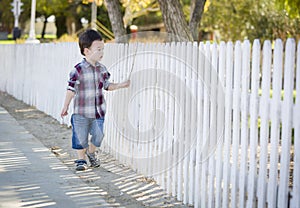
x,y
86,84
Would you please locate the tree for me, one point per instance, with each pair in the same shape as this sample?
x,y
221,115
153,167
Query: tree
x,y
116,19
6,16
66,12
197,7
250,19
46,8
172,12
174,19
291,6
138,8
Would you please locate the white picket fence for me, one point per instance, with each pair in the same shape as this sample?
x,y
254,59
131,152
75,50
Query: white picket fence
x,y
214,125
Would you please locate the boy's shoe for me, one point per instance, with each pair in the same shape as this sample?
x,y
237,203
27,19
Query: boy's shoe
x,y
94,161
81,165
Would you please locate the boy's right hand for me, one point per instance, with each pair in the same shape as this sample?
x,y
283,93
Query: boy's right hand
x,y
64,111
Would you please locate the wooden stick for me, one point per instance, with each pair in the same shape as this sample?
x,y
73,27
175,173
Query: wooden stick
x,y
133,62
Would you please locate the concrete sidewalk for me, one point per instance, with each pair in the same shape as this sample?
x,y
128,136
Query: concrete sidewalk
x,y
31,176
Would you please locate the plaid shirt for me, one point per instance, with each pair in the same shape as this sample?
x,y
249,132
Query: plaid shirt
x,y
88,83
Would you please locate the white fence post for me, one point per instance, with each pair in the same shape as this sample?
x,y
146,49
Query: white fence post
x,y
200,92
253,123
220,123
212,125
296,175
287,115
275,125
264,124
244,122
228,118
236,121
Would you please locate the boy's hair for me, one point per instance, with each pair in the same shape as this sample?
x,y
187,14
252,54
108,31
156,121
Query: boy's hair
x,y
87,38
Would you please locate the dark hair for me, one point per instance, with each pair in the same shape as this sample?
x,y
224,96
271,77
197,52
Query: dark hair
x,y
87,38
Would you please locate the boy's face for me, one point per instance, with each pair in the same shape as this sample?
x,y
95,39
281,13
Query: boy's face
x,y
95,51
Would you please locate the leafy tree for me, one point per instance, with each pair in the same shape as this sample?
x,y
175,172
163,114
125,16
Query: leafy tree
x,y
291,6
172,13
6,16
136,8
46,8
239,19
175,21
116,18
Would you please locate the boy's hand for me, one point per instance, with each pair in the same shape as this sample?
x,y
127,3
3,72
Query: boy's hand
x,y
115,86
64,111
125,84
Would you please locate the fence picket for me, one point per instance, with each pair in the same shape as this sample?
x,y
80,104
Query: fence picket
x,y
253,124
283,192
244,121
264,124
200,92
187,121
275,125
236,121
174,65
194,112
170,119
206,121
296,175
228,117
212,125
220,123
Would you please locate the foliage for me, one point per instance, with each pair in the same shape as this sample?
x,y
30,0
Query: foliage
x,y
233,20
67,38
291,6
249,19
138,8
6,16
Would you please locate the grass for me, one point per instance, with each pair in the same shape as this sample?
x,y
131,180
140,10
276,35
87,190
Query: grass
x,y
7,42
47,38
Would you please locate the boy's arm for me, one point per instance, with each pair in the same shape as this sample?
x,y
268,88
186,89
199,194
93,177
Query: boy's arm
x,y
69,96
115,86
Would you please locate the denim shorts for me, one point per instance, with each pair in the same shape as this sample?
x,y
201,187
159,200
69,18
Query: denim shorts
x,y
82,127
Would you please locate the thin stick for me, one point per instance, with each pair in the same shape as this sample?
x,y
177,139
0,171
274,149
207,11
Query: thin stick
x,y
133,61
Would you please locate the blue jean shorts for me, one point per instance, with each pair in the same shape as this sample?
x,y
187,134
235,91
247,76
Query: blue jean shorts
x,y
82,127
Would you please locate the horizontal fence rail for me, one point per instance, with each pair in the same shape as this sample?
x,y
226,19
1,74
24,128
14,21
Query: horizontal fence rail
x,y
215,125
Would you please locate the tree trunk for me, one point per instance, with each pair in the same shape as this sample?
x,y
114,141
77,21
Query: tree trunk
x,y
60,23
44,28
116,19
196,17
174,20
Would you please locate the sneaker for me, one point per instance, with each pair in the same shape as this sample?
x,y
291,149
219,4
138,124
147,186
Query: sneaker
x,y
94,161
81,165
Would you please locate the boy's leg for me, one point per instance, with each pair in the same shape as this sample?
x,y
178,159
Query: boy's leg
x,y
81,154
80,127
96,131
97,136
92,148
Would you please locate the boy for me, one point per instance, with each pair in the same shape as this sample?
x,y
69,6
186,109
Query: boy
x,y
87,80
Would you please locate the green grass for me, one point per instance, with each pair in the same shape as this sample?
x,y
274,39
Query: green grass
x,y
47,38
7,42
282,94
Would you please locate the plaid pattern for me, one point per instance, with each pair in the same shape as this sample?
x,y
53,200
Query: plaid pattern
x,y
88,83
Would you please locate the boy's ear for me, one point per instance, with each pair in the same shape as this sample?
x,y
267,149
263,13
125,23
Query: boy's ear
x,y
85,51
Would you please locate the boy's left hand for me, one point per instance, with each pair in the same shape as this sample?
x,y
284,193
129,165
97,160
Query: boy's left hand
x,y
125,84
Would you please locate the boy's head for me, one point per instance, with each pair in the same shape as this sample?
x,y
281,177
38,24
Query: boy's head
x,y
91,45
87,38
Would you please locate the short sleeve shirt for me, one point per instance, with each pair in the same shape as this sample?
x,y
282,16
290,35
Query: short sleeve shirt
x,y
88,82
